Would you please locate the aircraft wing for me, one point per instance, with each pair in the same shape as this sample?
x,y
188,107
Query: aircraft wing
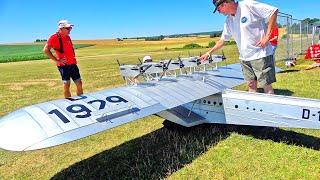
x,y
60,121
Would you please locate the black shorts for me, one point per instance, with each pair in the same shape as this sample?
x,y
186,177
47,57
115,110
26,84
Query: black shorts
x,y
69,71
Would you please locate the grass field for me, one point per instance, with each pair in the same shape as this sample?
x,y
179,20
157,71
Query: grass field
x,y
144,149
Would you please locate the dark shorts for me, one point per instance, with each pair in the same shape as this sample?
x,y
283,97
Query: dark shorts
x,y
69,71
261,70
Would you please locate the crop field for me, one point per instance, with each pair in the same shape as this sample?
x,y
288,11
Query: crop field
x,y
144,149
15,53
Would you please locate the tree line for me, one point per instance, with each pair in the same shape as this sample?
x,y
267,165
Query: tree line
x,y
40,40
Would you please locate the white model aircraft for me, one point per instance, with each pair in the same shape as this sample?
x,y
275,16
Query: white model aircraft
x,y
156,70
188,99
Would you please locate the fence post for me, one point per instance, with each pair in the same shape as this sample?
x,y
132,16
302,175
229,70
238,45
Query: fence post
x,y
307,31
300,37
288,35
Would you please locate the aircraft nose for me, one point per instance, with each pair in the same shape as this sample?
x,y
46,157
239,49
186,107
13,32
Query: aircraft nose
x,y
18,131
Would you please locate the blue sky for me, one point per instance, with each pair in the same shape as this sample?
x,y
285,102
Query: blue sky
x,y
28,20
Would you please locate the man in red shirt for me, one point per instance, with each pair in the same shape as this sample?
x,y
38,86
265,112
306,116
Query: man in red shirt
x,y
65,57
274,40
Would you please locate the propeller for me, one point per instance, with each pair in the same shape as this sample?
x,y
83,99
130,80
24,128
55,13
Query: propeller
x,y
142,71
120,68
210,59
182,65
223,56
140,60
165,68
118,62
166,65
198,61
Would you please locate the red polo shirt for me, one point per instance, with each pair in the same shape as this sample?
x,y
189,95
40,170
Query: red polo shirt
x,y
273,34
68,51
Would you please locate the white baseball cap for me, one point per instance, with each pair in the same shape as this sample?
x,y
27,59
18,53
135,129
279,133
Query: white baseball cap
x,y
147,58
64,24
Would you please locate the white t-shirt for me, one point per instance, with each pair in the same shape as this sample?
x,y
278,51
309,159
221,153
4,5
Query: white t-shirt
x,y
248,27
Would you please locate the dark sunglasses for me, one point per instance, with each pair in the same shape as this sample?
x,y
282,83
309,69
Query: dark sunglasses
x,y
69,28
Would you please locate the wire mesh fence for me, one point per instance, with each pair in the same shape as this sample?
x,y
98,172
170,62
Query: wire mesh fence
x,y
294,37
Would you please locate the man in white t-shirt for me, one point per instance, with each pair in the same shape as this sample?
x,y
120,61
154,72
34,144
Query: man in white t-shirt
x,y
246,24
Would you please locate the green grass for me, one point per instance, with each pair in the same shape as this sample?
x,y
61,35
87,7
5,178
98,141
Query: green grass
x,y
143,149
15,53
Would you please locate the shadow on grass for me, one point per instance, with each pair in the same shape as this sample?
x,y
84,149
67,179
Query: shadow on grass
x,y
288,71
160,153
152,156
284,92
279,135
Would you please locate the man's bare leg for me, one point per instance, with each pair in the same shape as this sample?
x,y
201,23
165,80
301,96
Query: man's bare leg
x,y
66,90
268,89
79,89
252,86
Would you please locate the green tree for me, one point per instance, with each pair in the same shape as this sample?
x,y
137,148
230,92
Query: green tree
x,y
216,34
191,46
157,38
230,43
211,44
